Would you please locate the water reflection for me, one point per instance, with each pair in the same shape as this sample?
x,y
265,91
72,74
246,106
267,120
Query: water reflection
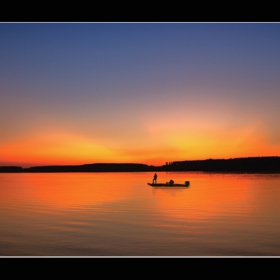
x,y
62,190
171,191
119,214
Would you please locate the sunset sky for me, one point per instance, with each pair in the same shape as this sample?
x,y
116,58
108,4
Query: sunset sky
x,y
77,93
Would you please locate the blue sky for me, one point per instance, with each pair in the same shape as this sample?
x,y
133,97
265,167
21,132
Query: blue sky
x,y
138,92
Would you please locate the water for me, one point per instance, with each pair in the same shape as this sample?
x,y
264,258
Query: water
x,y
118,214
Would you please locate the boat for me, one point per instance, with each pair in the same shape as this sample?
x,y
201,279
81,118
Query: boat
x,y
187,184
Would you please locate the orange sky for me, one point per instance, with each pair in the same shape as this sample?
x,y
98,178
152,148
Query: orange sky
x,y
48,148
141,93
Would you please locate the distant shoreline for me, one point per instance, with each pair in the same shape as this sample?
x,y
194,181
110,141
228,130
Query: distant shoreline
x,y
232,165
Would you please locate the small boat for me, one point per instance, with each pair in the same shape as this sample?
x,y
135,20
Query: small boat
x,y
187,184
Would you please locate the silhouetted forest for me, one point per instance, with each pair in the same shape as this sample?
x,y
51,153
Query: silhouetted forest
x,y
247,165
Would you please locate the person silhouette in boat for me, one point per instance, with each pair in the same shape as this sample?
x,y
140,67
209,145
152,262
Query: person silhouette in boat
x,y
155,179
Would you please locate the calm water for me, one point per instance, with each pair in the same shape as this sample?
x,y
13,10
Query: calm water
x,y
118,214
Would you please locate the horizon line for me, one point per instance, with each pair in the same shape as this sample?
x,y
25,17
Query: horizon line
x,y
120,163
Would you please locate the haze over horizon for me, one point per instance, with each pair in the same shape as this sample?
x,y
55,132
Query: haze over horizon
x,y
151,93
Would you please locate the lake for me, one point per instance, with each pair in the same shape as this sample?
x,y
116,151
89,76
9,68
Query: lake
x,y
118,214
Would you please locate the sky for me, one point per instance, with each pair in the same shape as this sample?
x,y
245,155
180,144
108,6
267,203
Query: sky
x,y
79,93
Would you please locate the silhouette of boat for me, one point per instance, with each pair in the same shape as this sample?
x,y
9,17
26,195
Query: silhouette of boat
x,y
187,184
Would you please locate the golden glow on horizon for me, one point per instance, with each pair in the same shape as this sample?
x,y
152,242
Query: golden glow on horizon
x,y
163,144
201,141
154,101
56,148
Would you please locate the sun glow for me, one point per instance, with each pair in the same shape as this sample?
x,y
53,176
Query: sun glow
x,y
163,142
201,140
56,148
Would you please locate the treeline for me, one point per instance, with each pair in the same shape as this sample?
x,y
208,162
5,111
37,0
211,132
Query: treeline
x,y
95,167
249,165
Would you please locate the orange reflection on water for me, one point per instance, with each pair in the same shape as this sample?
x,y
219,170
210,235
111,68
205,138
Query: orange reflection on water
x,y
64,190
208,196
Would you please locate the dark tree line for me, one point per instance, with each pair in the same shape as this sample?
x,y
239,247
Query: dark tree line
x,y
250,164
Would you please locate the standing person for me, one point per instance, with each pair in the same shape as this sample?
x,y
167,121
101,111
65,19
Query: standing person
x,y
155,179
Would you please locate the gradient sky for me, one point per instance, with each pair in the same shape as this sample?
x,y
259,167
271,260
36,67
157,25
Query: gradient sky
x,y
76,93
